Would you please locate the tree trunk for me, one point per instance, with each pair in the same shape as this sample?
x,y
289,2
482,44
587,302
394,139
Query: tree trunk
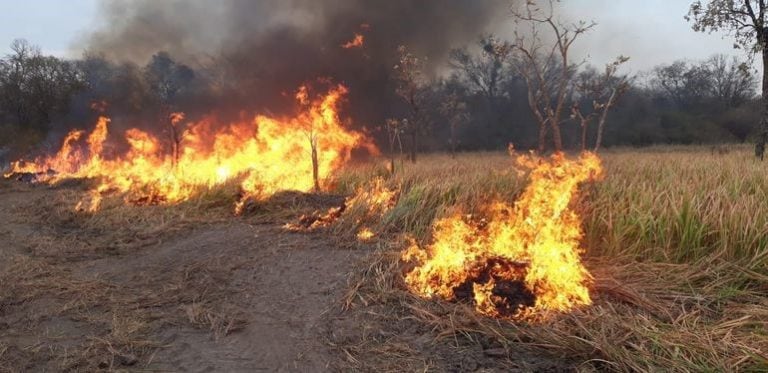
x,y
603,116
315,170
583,136
556,137
542,138
414,144
392,153
175,144
453,141
763,134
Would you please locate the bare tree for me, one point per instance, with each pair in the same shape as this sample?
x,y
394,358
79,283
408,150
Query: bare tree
x,y
455,111
545,66
411,86
394,128
684,84
167,80
733,84
34,87
302,96
482,73
745,20
603,91
177,135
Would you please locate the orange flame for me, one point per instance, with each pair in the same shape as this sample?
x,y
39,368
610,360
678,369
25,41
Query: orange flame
x,y
356,42
368,202
524,262
376,198
365,234
268,154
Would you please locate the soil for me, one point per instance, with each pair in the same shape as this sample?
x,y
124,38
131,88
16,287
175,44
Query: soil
x,y
281,288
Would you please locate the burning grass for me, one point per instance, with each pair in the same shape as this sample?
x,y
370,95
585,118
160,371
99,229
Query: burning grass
x,y
675,241
645,317
206,154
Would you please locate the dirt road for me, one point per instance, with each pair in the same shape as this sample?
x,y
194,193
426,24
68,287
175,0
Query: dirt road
x,y
228,296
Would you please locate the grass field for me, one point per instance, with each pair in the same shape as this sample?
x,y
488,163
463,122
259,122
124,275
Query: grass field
x,y
675,239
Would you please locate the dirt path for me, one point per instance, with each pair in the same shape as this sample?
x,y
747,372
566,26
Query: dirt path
x,y
290,283
230,296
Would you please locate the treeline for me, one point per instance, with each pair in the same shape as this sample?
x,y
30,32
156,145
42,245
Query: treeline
x,y
481,102
685,102
43,97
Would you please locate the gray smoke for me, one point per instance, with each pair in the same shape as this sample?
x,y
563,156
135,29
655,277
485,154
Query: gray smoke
x,y
262,49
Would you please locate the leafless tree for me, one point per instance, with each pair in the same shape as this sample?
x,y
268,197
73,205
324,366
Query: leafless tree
x,y
603,91
455,111
483,72
167,80
394,128
746,21
545,66
311,132
685,84
733,84
177,135
411,86
34,87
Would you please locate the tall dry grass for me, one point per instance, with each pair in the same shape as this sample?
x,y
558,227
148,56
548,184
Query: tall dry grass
x,y
664,204
676,238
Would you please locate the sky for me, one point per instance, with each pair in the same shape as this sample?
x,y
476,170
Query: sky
x,y
650,32
54,25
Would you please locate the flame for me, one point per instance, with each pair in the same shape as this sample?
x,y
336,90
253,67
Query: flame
x,y
376,198
268,154
524,262
368,203
365,234
356,42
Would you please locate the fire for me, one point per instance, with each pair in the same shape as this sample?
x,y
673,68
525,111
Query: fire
x,y
365,234
356,42
375,198
524,261
268,154
368,203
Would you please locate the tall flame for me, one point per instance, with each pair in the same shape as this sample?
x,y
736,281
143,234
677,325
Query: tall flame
x,y
525,260
268,154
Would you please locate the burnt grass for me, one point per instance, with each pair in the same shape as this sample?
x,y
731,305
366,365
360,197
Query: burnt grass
x,y
509,295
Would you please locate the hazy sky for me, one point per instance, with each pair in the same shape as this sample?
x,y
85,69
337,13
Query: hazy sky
x,y
650,32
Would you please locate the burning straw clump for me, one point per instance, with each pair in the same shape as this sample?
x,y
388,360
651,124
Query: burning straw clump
x,y
357,212
266,154
523,262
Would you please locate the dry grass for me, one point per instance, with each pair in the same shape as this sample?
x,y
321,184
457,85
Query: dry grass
x,y
646,317
115,319
676,242
62,317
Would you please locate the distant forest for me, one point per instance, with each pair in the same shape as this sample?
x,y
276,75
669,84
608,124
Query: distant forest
x,y
480,100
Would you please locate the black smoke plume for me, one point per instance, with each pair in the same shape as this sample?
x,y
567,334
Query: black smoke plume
x,y
253,54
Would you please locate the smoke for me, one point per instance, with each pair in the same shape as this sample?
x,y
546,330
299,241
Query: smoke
x,y
257,51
